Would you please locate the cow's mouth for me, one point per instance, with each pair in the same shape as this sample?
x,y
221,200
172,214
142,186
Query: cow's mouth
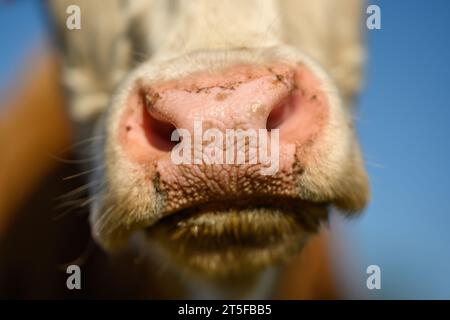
x,y
238,236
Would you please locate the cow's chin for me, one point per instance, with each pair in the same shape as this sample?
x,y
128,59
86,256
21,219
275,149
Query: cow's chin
x,y
237,238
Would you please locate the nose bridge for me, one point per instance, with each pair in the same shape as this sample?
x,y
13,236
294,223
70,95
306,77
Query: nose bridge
x,y
236,105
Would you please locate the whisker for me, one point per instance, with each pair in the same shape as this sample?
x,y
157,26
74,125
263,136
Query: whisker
x,y
73,205
82,142
74,146
87,201
69,203
78,190
74,161
82,173
65,213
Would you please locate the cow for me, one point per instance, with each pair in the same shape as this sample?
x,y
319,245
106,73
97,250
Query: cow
x,y
139,73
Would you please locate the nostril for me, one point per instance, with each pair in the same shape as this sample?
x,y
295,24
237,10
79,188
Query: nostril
x,y
158,132
279,115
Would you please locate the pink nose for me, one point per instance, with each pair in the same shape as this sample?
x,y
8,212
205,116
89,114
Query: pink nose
x,y
242,97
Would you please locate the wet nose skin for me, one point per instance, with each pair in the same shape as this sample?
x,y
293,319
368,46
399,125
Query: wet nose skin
x,y
240,100
242,97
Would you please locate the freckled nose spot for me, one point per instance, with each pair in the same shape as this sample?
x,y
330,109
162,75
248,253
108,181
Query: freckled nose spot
x,y
221,96
257,109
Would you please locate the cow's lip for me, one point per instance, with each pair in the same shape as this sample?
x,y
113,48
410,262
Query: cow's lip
x,y
209,215
235,232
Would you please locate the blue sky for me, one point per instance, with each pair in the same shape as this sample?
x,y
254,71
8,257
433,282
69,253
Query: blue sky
x,y
404,127
21,27
403,121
